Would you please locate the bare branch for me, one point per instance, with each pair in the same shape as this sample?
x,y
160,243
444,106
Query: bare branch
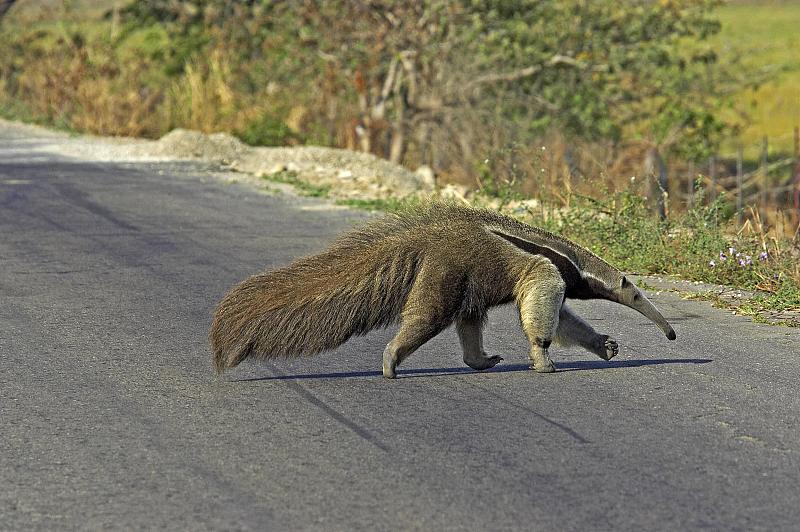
x,y
407,58
506,76
388,83
527,72
324,55
378,110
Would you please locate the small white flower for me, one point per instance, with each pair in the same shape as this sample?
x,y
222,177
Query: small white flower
x,y
712,263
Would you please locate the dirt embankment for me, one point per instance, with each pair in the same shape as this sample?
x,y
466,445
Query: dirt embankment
x,y
347,173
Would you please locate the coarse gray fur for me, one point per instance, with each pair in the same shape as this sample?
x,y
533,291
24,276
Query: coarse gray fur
x,y
428,267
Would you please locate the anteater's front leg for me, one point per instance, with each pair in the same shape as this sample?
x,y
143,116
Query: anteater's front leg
x,y
572,330
540,294
470,335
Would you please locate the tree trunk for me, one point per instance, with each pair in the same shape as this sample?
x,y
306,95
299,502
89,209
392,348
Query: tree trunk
x,y
398,145
655,171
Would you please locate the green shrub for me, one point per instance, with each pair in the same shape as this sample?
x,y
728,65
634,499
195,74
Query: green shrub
x,y
266,130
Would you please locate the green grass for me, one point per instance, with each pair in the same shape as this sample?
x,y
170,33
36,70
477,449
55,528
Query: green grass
x,y
378,204
760,308
787,297
303,188
18,111
765,36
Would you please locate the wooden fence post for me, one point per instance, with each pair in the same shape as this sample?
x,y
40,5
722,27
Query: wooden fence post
x,y
739,206
656,172
763,171
712,173
796,168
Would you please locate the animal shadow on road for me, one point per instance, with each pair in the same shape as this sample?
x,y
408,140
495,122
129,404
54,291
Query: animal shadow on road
x,y
577,365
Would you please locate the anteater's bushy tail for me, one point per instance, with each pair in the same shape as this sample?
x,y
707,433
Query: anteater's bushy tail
x,y
313,304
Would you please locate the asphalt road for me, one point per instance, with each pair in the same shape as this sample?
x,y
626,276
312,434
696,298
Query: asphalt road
x,y
112,417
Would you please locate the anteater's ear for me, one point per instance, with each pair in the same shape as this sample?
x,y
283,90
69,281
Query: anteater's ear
x,y
624,283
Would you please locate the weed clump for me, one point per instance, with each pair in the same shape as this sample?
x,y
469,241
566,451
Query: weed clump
x,y
304,188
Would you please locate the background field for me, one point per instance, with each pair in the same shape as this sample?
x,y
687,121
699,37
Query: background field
x,y
766,36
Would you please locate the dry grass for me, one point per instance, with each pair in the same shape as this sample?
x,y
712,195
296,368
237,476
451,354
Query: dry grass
x,y
203,98
86,87
781,240
62,82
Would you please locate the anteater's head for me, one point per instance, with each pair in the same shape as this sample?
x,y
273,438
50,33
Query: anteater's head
x,y
623,291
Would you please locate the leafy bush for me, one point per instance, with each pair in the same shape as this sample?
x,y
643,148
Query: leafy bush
x,y
266,130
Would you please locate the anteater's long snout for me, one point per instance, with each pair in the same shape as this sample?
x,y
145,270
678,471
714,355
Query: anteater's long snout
x,y
643,305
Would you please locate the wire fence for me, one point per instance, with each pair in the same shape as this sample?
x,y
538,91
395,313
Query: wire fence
x,y
760,181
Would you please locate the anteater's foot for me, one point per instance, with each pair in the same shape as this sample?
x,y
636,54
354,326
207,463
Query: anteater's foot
x,y
540,361
608,348
482,361
389,363
544,367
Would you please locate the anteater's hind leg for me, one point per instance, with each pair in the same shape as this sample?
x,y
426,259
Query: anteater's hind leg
x,y
540,294
412,334
470,334
572,330
430,308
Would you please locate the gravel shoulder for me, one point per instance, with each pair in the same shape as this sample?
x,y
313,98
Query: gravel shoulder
x,y
350,174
